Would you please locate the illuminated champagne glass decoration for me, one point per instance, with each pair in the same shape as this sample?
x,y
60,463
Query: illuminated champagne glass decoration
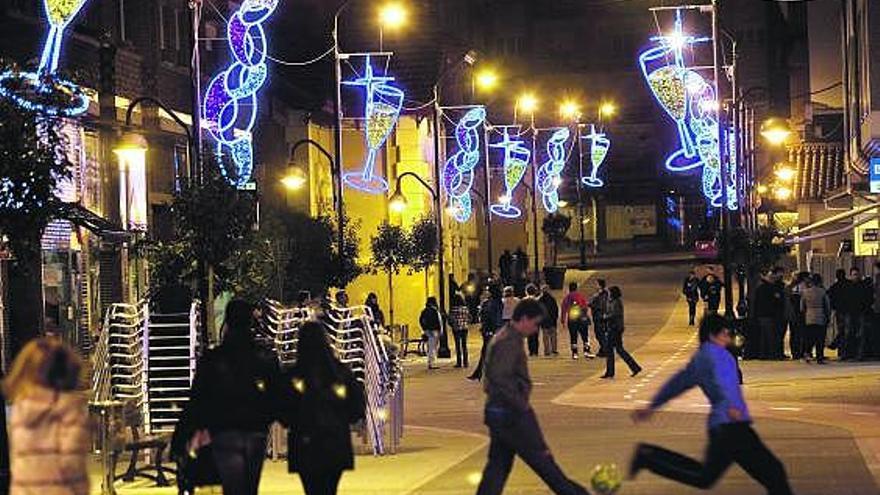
x,y
381,111
664,70
516,161
550,173
43,91
458,173
599,147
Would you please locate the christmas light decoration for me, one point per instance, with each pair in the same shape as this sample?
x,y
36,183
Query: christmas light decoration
x,y
230,107
43,91
549,175
692,103
381,111
599,147
516,161
458,174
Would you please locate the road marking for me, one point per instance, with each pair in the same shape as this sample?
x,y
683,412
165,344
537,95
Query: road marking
x,y
627,397
862,413
780,408
633,390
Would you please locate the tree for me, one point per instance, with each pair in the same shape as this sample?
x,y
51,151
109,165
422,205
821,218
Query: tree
x,y
423,241
33,164
555,226
346,266
391,250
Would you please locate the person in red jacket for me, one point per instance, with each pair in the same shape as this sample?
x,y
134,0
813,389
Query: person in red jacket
x,y
576,316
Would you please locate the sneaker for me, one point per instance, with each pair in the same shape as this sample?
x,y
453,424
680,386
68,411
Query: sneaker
x,y
589,355
574,355
607,376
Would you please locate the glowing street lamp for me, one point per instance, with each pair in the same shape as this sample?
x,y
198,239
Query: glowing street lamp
x,y
527,103
295,178
775,131
393,15
569,110
607,109
397,202
131,151
486,79
785,173
782,193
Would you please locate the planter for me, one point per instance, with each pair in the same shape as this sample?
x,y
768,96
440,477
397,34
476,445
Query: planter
x,y
555,276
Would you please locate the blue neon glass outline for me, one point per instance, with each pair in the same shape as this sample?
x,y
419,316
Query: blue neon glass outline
x,y
230,103
44,80
365,180
458,172
549,175
596,139
514,150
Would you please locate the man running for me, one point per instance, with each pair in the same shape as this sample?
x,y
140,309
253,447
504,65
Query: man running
x,y
731,437
512,423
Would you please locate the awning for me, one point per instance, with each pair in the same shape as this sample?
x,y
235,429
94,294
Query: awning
x,y
83,217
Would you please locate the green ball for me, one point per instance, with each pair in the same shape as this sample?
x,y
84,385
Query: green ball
x,y
606,479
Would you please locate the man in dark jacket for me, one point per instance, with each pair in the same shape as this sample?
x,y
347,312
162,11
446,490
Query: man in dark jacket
x,y
770,312
431,322
858,298
548,326
599,309
512,422
691,290
491,321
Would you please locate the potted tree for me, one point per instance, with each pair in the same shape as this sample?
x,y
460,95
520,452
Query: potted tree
x,y
555,227
391,251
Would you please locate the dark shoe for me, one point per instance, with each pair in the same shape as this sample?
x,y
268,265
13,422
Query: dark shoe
x,y
474,378
636,372
606,375
635,464
457,365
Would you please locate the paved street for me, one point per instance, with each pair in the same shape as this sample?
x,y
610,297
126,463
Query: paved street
x,y
821,421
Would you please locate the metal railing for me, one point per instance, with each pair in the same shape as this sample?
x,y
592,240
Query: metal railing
x,y
357,341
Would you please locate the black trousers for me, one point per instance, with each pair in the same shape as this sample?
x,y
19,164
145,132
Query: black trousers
x,y
771,343
478,371
461,351
600,327
581,328
320,483
692,311
239,458
615,344
815,340
533,344
516,434
736,442
797,339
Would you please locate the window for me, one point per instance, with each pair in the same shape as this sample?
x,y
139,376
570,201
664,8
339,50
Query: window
x,y
162,42
181,165
210,35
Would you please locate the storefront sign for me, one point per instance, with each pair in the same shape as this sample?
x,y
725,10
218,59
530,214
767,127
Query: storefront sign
x,y
870,235
874,175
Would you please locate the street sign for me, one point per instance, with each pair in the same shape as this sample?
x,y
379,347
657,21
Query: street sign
x,y
874,175
870,235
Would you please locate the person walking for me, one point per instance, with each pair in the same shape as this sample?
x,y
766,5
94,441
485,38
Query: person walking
x,y
513,425
710,290
794,316
49,436
322,401
459,319
731,437
816,308
233,400
490,322
576,316
837,294
431,322
372,303
615,335
598,309
690,288
548,326
509,301
533,341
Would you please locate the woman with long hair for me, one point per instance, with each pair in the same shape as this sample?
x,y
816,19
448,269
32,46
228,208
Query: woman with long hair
x,y
323,400
234,399
615,335
48,429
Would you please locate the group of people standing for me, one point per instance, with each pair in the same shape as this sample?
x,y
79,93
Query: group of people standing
x,y
805,311
706,289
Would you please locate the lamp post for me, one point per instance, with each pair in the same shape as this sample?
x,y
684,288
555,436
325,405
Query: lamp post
x,y
529,103
398,202
297,177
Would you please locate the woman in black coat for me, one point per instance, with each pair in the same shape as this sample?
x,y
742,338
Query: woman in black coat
x,y
615,335
324,400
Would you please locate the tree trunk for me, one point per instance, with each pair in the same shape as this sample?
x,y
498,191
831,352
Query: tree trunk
x,y
25,297
391,298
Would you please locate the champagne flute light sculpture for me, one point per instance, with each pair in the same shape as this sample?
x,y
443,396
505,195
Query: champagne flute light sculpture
x,y
516,161
43,90
381,111
599,147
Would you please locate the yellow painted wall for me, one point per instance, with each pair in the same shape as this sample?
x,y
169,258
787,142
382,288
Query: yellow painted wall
x,y
409,149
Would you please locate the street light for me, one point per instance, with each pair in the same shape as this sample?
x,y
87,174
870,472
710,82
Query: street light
x,y
393,15
785,173
528,103
775,131
607,109
397,202
486,79
131,146
569,110
782,193
295,178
